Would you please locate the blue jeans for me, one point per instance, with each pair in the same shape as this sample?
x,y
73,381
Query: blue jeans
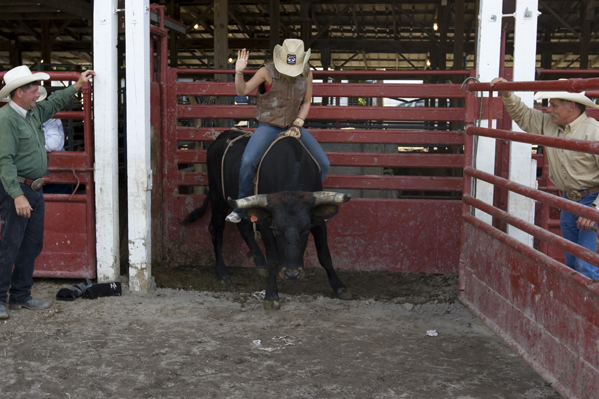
x,y
257,146
21,241
585,238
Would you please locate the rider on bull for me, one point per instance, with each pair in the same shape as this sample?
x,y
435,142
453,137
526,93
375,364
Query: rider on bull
x,y
283,99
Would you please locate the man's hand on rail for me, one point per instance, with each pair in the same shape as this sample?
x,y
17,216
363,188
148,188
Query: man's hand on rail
x,y
505,94
585,224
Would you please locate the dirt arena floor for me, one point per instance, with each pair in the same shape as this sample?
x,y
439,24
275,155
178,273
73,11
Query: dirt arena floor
x,y
194,337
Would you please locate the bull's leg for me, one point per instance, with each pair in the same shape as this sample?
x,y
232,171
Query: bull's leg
x,y
319,232
247,232
271,300
217,226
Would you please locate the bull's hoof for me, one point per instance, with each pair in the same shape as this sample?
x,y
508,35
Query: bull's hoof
x,y
262,272
343,293
272,305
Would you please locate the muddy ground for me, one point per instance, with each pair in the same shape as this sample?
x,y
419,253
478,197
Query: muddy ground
x,y
194,337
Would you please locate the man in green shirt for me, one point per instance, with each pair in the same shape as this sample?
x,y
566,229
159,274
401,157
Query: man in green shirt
x,y
23,162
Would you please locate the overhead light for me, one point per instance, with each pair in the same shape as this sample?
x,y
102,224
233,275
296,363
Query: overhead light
x,y
41,61
196,26
435,26
230,60
428,63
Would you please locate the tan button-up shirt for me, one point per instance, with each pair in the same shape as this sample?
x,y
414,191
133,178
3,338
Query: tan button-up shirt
x,y
568,170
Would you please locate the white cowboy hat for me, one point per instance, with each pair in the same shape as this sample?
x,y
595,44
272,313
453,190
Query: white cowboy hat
x,y
43,95
290,59
579,98
18,77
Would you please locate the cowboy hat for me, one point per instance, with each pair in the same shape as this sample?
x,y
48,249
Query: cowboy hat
x,y
43,95
579,98
290,58
18,77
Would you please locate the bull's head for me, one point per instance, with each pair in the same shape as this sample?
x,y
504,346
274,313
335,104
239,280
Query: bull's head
x,y
286,219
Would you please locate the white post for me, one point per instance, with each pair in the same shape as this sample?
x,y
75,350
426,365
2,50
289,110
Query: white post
x,y
139,172
522,166
106,140
487,68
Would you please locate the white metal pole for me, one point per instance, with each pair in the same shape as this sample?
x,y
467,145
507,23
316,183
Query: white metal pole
x,y
522,167
487,68
106,140
139,172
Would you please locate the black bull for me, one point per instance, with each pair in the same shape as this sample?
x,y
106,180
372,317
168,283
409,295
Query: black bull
x,y
290,207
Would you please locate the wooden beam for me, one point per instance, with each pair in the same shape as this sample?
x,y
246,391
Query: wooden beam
x,y
458,35
331,22
275,23
239,21
62,28
79,9
560,19
46,43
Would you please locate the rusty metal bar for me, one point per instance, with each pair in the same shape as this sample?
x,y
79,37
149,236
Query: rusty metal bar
x,y
571,85
357,74
591,147
334,113
546,198
538,232
406,137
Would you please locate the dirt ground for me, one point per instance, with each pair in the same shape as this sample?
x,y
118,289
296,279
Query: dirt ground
x,y
194,337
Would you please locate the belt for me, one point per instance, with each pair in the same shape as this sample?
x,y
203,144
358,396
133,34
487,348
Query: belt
x,y
34,184
576,195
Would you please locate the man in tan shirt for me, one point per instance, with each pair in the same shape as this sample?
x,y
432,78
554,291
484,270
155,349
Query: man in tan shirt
x,y
576,174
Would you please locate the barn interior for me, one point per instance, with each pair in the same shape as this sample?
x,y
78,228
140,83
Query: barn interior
x,y
352,35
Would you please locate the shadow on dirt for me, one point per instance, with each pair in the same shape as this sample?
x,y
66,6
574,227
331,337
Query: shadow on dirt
x,y
415,288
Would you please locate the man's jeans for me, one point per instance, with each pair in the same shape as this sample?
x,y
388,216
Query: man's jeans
x,y
21,241
585,238
263,136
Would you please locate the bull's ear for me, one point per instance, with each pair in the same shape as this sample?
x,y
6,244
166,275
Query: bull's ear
x,y
325,211
256,214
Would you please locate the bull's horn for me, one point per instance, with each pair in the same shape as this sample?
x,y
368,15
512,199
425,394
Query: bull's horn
x,y
330,197
258,201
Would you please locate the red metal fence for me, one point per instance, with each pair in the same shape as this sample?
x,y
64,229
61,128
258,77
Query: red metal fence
x,y
69,236
414,232
547,312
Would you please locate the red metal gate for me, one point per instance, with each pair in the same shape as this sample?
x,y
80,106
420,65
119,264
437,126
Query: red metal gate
x,y
410,233
69,235
545,311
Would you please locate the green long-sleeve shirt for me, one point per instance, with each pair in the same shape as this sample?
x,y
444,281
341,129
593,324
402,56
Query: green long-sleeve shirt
x,y
22,141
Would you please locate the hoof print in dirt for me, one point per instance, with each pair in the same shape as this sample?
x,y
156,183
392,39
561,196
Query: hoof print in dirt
x,y
272,305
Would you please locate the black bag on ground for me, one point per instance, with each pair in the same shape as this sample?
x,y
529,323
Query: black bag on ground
x,y
103,289
73,292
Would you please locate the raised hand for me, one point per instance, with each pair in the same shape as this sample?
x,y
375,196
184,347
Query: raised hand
x,y
242,60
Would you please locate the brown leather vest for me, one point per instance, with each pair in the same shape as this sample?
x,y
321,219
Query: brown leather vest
x,y
280,105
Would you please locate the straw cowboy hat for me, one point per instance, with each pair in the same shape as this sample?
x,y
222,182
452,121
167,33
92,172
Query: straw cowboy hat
x,y
20,76
579,98
290,58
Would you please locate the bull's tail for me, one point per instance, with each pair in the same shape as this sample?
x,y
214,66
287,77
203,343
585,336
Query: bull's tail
x,y
196,213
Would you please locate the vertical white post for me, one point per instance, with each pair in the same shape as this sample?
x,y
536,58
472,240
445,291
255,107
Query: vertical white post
x,y
487,68
522,166
139,172
106,140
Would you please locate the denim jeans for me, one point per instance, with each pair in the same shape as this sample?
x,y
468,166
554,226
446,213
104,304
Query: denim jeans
x,y
585,238
21,241
257,146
